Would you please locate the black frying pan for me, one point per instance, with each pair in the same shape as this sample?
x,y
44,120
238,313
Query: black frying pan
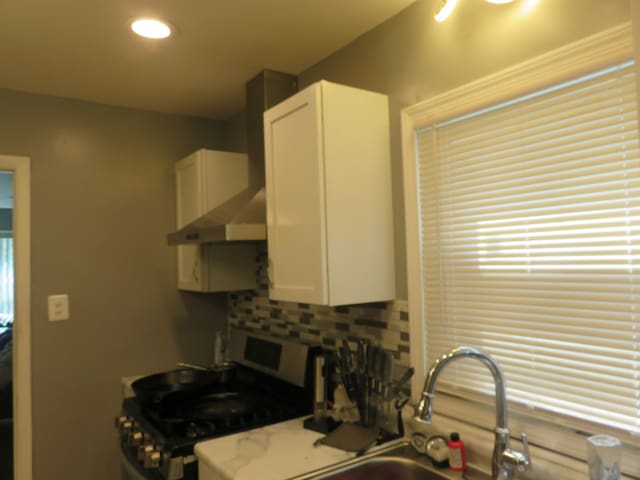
x,y
154,388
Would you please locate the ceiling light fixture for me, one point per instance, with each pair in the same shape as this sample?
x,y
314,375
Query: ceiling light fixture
x,y
446,7
150,28
500,2
528,6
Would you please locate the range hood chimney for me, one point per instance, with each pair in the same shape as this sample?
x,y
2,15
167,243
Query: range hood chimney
x,y
264,91
243,216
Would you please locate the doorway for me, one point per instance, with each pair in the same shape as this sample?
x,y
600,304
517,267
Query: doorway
x,y
6,324
16,428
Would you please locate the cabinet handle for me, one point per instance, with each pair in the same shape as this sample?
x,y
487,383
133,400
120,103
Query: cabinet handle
x,y
194,271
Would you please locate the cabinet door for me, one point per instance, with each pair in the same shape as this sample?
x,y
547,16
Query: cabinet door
x,y
190,205
296,233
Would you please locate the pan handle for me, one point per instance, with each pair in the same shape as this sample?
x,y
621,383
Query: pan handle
x,y
194,367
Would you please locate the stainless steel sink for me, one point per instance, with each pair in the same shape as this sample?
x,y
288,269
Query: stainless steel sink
x,y
386,468
399,461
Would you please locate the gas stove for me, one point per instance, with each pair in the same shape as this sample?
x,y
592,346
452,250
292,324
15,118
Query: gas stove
x,y
270,382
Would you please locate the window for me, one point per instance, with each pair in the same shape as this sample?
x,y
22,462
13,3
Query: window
x,y
530,228
523,218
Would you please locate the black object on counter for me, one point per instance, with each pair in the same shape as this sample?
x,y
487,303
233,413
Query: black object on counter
x,y
154,388
323,425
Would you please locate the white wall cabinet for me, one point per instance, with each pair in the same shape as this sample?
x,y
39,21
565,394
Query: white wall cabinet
x,y
329,206
205,179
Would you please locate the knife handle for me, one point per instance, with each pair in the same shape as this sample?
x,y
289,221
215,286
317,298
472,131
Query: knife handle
x,y
361,357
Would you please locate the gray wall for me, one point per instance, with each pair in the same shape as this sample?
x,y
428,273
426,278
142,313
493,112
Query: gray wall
x,y
102,192
411,58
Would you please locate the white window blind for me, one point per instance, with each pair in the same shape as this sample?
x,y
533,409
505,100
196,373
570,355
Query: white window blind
x,y
530,229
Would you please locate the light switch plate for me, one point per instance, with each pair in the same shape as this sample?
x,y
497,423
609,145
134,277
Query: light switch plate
x,y
58,307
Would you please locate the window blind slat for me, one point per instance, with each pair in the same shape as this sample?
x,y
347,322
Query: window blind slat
x,y
566,104
613,114
613,126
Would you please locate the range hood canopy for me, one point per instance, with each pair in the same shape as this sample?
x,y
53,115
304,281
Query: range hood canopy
x,y
243,216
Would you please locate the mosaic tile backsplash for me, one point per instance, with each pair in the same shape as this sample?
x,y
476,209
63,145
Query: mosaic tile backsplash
x,y
385,324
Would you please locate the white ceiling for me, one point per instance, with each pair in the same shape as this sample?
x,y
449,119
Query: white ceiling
x,y
83,49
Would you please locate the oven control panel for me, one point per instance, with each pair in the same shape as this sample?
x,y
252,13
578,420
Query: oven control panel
x,y
278,357
132,435
148,454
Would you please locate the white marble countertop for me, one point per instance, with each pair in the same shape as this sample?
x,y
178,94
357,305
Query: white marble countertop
x,y
274,452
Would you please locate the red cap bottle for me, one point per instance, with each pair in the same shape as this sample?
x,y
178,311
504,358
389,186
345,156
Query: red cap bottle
x,y
457,454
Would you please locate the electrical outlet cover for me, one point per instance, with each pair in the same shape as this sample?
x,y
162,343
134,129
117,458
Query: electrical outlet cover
x,y
58,307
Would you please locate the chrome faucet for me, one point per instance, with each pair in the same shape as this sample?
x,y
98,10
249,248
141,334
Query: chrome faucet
x,y
505,460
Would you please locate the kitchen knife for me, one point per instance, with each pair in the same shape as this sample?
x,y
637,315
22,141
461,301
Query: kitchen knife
x,y
384,400
334,358
379,368
378,387
363,384
347,358
403,379
345,351
352,371
371,359
361,357
387,372
346,376
371,383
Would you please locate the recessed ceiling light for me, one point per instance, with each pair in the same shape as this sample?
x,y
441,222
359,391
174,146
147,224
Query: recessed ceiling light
x,y
150,28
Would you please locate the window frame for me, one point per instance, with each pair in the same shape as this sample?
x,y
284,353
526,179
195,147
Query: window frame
x,y
613,46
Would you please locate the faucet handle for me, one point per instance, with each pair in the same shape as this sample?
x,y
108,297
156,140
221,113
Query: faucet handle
x,y
512,459
527,455
526,464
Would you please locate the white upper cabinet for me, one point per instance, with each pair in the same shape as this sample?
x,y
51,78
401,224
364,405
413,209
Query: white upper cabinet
x,y
329,207
204,180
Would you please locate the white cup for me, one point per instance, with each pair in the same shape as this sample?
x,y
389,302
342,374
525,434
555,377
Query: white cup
x,y
603,455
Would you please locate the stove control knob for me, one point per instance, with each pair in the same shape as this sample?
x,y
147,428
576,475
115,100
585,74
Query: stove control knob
x,y
120,420
126,427
152,459
144,449
134,438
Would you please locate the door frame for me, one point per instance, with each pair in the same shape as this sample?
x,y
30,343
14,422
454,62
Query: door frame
x,y
22,412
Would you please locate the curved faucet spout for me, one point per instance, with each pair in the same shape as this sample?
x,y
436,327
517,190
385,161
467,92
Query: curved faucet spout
x,y
424,407
504,460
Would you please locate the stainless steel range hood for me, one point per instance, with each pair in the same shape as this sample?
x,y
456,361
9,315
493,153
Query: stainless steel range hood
x,y
243,217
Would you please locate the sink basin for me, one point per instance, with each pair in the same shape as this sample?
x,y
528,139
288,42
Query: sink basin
x,y
394,462
384,468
